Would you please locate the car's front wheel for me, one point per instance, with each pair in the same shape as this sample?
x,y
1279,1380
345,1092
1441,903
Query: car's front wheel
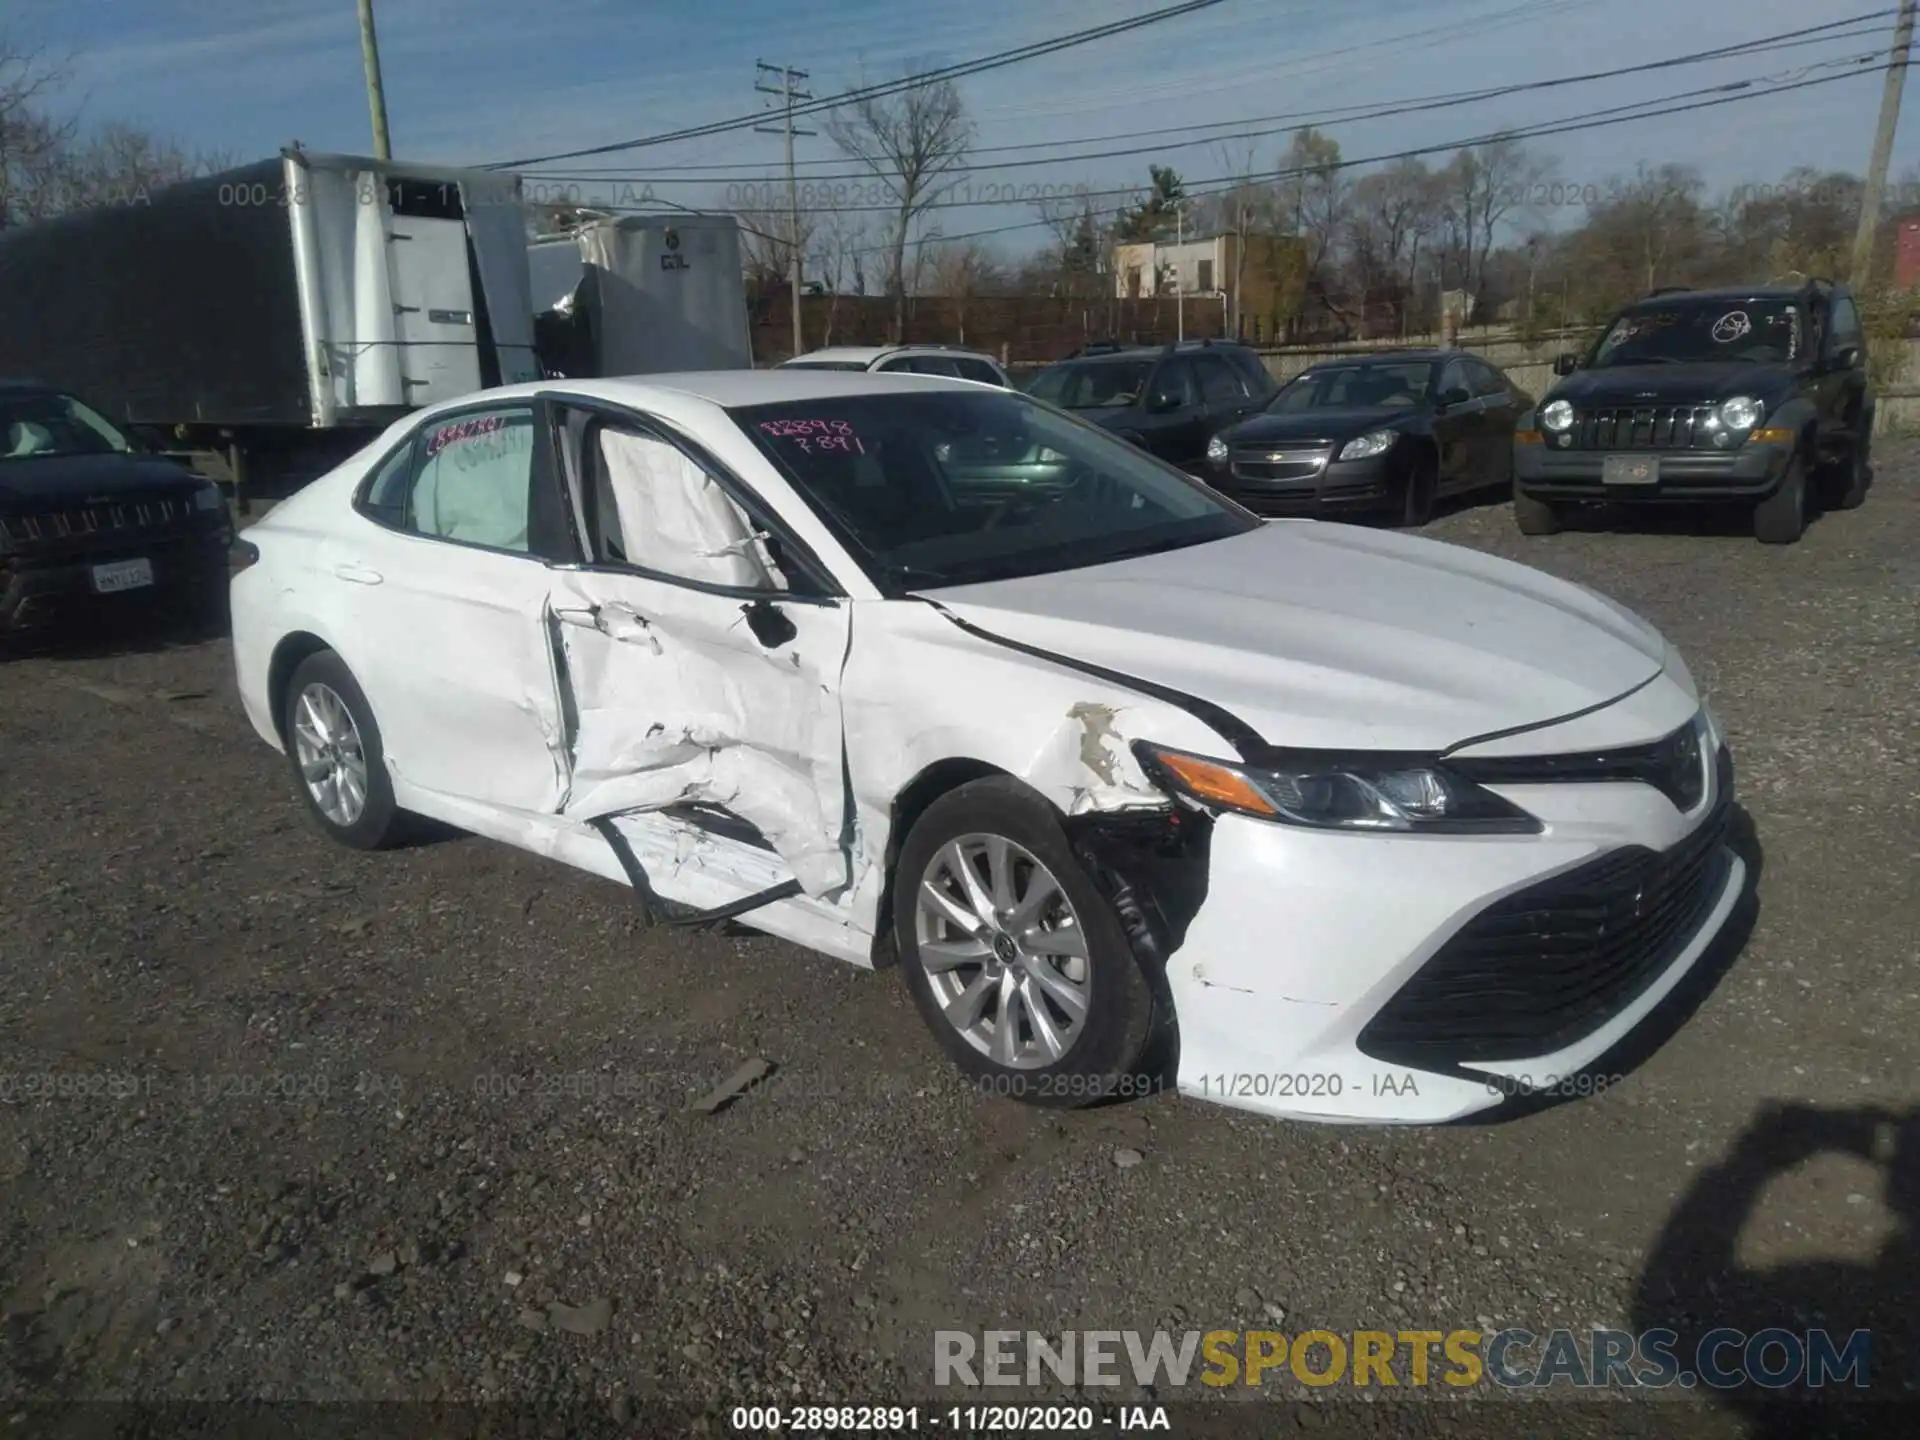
x,y
1534,517
338,763
1781,518
1015,958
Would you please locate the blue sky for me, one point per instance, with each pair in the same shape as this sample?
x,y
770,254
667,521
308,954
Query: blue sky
x,y
474,81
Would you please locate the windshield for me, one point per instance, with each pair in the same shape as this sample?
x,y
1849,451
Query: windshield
x,y
37,425
1395,386
1097,386
954,487
1762,332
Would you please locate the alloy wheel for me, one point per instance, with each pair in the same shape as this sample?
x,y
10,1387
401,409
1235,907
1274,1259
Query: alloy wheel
x,y
333,760
1004,951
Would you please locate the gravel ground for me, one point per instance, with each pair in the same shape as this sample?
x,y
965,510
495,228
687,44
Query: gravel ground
x,y
415,1126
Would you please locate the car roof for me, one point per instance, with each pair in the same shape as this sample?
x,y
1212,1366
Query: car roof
x,y
728,389
867,354
1720,293
1410,357
28,387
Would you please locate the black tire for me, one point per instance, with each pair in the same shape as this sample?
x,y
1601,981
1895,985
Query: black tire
x,y
1534,517
1849,481
1419,487
1781,518
380,822
1121,1013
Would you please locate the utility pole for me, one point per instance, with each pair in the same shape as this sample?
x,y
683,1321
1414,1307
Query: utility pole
x,y
788,95
1861,271
1179,283
376,94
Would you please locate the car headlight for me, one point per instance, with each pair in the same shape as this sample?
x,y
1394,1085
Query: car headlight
x,y
1350,793
1216,451
1742,412
1557,415
208,497
1367,446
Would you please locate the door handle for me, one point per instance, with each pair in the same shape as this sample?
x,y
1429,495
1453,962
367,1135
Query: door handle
x,y
357,574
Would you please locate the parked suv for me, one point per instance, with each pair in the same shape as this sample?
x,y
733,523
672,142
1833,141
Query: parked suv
x,y
947,360
1757,395
1168,399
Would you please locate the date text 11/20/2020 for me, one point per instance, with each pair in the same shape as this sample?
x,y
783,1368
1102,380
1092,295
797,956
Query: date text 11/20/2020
x,y
1315,1084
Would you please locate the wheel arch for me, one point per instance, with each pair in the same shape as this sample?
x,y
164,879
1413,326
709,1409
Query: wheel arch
x,y
937,779
293,648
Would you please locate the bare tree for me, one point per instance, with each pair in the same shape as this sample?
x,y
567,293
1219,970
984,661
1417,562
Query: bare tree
x,y
837,244
767,241
33,143
1394,211
1487,186
1314,197
1080,250
914,142
961,269
1248,203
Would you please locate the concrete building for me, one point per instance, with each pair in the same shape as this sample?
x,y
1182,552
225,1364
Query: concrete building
x,y
1208,267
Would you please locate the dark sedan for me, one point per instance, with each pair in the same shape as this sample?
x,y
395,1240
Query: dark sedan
x,y
1384,434
87,519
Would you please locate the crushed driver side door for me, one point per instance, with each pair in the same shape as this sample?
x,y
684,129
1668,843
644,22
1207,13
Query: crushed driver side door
x,y
701,683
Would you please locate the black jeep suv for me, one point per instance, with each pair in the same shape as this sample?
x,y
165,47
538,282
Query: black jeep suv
x,y
1755,396
1168,399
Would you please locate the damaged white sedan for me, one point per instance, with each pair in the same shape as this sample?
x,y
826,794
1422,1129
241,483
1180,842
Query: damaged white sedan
x,y
1322,821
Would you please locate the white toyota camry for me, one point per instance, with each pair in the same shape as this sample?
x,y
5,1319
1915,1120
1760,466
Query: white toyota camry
x,y
1324,821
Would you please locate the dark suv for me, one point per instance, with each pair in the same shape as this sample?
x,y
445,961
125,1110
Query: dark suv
x,y
1167,399
1757,396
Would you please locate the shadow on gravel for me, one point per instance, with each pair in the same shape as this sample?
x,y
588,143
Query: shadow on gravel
x,y
1674,1013
100,634
1720,521
1695,1282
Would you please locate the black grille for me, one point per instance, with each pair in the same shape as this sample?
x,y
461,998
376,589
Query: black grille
x,y
1303,462
109,517
1643,427
1673,765
1538,970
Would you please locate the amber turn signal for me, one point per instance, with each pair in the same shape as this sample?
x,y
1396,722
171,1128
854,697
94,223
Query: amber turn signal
x,y
1528,437
1214,784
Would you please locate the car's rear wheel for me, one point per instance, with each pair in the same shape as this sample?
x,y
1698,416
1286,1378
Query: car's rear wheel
x,y
1016,960
1781,518
334,746
1534,517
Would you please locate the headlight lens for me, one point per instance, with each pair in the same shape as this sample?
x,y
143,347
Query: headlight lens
x,y
1217,451
1742,412
1558,415
208,497
1367,446
1350,793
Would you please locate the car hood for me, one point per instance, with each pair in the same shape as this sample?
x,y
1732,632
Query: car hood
x,y
1330,636
1322,425
1672,384
77,479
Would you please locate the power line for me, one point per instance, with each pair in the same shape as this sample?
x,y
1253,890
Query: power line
x,y
1791,39
1591,120
891,87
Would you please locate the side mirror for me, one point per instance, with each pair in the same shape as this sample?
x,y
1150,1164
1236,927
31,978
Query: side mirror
x,y
1453,397
1847,357
1162,403
1566,364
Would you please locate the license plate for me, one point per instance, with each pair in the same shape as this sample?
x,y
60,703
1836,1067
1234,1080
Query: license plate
x,y
1630,470
122,575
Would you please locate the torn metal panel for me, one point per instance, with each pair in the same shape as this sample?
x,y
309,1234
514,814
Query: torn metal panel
x,y
675,700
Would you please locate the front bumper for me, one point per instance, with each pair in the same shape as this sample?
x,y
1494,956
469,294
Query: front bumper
x,y
1339,486
42,587
1389,979
1751,472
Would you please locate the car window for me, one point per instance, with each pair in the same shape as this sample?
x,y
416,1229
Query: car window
x,y
1252,370
1094,385
805,364
907,365
1759,331
385,497
1394,385
978,370
1176,378
951,487
38,424
475,478
1485,379
658,509
1220,384
1846,322
1454,377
